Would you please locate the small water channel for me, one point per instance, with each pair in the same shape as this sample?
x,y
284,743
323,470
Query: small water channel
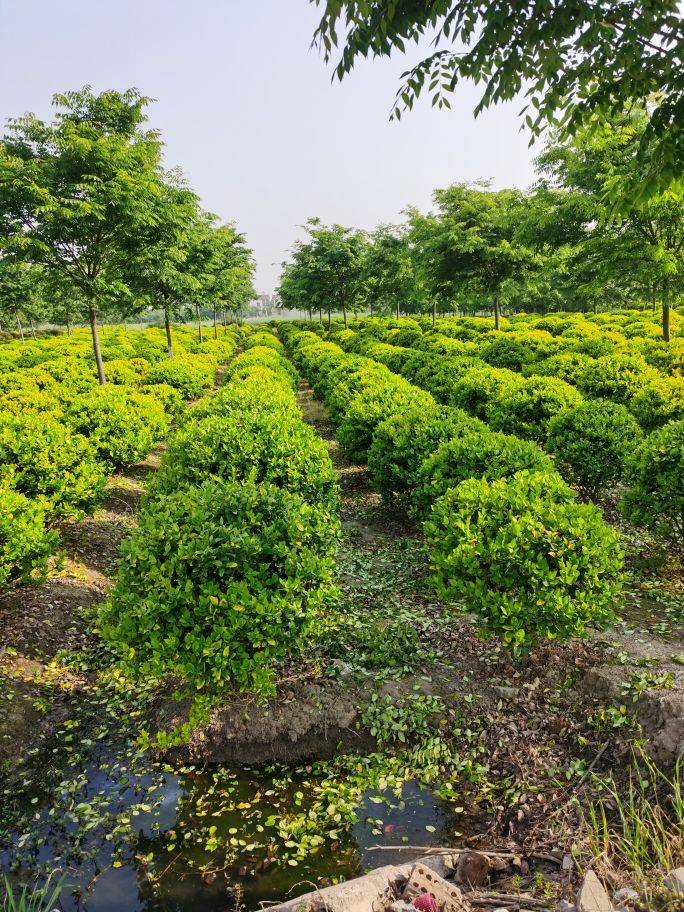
x,y
132,834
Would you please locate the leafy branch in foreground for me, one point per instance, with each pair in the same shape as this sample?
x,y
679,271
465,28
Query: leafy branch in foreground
x,y
576,60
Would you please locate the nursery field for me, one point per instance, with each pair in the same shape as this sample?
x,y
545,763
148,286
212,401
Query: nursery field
x,y
303,599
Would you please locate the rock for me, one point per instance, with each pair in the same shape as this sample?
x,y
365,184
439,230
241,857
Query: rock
x,y
675,880
624,896
473,869
424,880
565,906
344,672
401,905
591,897
506,693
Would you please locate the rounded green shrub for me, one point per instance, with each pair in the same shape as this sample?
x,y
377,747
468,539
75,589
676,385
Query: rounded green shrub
x,y
659,402
126,372
123,425
476,387
25,543
477,453
170,398
219,581
526,408
188,374
656,495
43,458
525,557
262,391
593,442
402,442
256,447
263,340
568,366
260,356
373,405
616,377
507,352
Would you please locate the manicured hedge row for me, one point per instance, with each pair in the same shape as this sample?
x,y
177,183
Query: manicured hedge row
x,y
507,536
233,560
61,434
594,439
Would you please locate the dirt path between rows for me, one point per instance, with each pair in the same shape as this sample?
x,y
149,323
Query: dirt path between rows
x,y
40,620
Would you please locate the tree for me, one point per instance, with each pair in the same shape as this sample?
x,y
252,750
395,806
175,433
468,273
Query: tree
x,y
470,245
641,240
161,268
222,267
388,272
22,293
576,60
77,195
326,271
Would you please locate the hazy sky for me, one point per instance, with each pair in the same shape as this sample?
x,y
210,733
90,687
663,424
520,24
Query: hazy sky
x,y
248,110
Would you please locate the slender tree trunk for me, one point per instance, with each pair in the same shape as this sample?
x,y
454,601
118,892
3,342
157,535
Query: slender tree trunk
x,y
33,329
666,310
329,316
68,326
92,316
21,329
434,314
310,314
167,327
497,313
397,311
320,315
215,325
199,323
225,320
344,314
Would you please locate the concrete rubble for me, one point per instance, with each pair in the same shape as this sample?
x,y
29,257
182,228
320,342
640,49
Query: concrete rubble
x,y
446,882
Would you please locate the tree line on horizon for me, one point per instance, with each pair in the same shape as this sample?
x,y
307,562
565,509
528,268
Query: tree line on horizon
x,y
92,227
562,244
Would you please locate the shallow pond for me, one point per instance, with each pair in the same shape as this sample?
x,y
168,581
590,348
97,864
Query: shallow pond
x,y
135,836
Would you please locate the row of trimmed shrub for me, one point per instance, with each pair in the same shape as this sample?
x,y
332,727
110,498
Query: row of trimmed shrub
x,y
524,341
232,563
624,378
595,442
61,434
506,533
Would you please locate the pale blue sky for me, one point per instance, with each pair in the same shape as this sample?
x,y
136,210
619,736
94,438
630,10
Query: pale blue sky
x,y
248,111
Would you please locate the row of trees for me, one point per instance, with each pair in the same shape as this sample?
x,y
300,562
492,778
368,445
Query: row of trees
x,y
92,226
563,244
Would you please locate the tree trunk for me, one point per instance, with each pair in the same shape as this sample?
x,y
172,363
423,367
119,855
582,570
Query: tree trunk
x,y
33,329
68,326
320,315
397,311
225,320
199,323
329,316
215,324
666,310
21,329
434,314
497,314
167,327
92,316
344,314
